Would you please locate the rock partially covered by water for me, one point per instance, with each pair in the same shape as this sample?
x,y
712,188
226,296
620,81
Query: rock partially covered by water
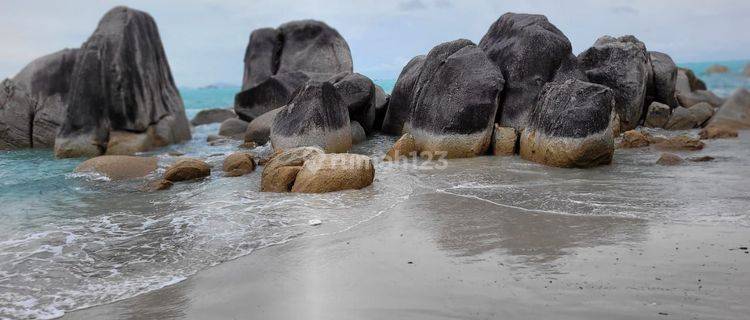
x,y
657,115
681,143
634,139
281,170
734,113
717,132
278,61
665,79
238,164
33,104
399,105
456,100
622,64
334,172
530,51
689,118
233,128
570,126
317,116
717,68
187,169
119,167
504,141
669,159
209,116
259,130
404,147
121,81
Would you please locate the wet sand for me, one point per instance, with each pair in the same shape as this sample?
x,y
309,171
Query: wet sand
x,y
444,256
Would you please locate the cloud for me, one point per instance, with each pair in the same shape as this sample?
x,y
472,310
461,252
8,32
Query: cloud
x,y
625,10
411,5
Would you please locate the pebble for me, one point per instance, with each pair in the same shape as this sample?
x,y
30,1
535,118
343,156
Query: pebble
x,y
315,222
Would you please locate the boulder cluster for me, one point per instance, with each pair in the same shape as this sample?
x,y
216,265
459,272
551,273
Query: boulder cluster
x,y
113,95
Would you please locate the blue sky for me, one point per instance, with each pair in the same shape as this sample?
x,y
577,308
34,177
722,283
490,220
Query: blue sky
x,y
205,40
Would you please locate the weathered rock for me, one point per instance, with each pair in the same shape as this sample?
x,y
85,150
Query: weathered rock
x,y
119,167
669,159
273,93
381,107
634,139
404,147
681,119
455,101
690,99
570,126
665,78
694,82
734,113
717,132
334,172
530,51
121,81
233,128
281,170
504,141
399,103
259,130
238,164
681,143
717,68
358,133
702,159
358,95
187,169
248,145
623,65
657,115
316,117
158,185
701,112
279,61
129,143
209,116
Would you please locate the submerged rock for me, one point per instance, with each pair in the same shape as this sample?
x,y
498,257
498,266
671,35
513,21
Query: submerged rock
x,y
665,78
121,81
669,159
734,113
209,116
529,51
681,143
187,169
717,68
316,117
129,143
238,164
233,128
279,61
334,172
399,104
259,130
622,64
281,170
717,132
404,147
657,115
570,126
504,141
634,139
119,167
455,101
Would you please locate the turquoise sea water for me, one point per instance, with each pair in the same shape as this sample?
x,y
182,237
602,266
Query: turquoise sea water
x,y
69,241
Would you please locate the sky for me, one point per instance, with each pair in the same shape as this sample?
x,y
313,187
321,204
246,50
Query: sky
x,y
205,40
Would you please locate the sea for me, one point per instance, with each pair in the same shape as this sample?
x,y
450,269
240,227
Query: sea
x,y
70,241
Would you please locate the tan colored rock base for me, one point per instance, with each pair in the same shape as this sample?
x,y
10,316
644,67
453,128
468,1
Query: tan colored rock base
x,y
331,141
716,132
669,159
238,164
504,141
452,145
119,167
334,172
585,152
187,169
634,139
404,147
681,143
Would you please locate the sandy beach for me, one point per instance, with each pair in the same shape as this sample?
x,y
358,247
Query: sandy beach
x,y
442,256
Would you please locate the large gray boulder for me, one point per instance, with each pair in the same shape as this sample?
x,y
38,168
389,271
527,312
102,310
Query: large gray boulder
x,y
622,64
399,103
359,95
279,61
317,116
35,101
530,51
381,107
571,125
665,78
455,101
121,82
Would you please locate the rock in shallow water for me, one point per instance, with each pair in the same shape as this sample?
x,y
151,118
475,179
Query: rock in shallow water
x,y
238,164
281,170
669,159
119,167
259,130
504,141
187,169
717,132
634,139
734,113
570,126
681,143
209,116
399,105
233,128
334,172
455,101
316,116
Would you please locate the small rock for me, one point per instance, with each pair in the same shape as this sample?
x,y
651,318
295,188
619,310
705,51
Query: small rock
x,y
634,139
238,164
717,68
717,132
212,116
187,169
657,115
248,145
403,148
315,222
233,128
702,159
157,185
119,167
681,143
358,133
669,159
